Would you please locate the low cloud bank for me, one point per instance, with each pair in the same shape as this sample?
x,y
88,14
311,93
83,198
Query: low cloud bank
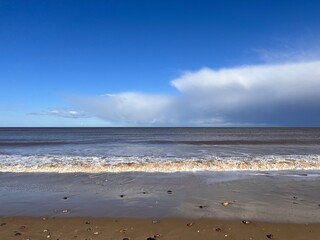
x,y
281,94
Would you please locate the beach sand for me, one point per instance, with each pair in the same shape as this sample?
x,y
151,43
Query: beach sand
x,y
126,228
160,206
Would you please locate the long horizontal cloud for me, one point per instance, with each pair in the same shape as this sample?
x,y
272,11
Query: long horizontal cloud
x,y
280,94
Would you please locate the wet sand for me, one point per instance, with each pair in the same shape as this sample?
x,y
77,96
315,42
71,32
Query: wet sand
x,y
142,205
125,228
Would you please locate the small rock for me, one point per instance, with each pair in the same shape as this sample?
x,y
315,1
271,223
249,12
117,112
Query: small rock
x,y
121,195
189,224
17,234
157,235
155,221
218,229
245,222
201,206
123,230
144,192
45,230
125,238
3,224
44,219
48,236
294,197
87,222
226,235
96,233
65,211
151,238
65,198
270,236
169,192
225,204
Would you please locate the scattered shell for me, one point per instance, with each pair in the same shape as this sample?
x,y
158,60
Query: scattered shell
x,y
226,235
45,230
157,235
225,204
48,236
65,211
155,221
96,233
245,222
123,230
44,219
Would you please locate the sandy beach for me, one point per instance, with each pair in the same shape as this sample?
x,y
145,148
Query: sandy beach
x,y
128,228
160,206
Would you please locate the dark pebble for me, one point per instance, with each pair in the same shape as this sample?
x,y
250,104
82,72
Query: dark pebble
x,y
121,195
87,222
125,238
144,192
151,238
201,206
17,234
218,229
270,236
294,197
2,224
245,222
65,198
169,192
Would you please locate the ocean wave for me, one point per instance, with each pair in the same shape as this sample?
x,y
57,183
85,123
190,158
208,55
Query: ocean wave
x,y
97,164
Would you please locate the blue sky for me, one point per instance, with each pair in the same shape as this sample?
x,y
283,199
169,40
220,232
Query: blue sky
x,y
159,63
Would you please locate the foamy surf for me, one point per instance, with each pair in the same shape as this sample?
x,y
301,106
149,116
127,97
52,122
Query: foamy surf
x,y
96,164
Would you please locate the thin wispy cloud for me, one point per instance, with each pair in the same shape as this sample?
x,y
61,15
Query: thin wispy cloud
x,y
61,113
269,94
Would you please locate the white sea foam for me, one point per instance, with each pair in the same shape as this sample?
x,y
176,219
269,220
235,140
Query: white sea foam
x,y
96,164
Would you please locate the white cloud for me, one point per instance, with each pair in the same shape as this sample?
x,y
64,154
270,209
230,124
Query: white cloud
x,y
61,113
270,94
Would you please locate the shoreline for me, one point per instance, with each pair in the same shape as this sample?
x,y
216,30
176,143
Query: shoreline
x,y
147,228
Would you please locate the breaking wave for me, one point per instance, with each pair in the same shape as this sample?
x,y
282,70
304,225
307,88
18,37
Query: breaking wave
x,y
96,164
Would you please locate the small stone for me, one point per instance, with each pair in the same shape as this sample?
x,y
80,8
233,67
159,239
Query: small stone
x,y
123,230
157,235
48,236
125,238
294,197
44,219
169,192
201,206
65,211
226,235
189,224
121,195
151,238
96,233
17,234
270,236
65,198
45,230
3,224
87,222
245,222
144,192
225,204
155,221
218,229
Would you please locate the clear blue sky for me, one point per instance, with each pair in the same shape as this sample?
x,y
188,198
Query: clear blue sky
x,y
58,58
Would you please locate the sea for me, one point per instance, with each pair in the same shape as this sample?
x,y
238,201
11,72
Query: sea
x,y
101,150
